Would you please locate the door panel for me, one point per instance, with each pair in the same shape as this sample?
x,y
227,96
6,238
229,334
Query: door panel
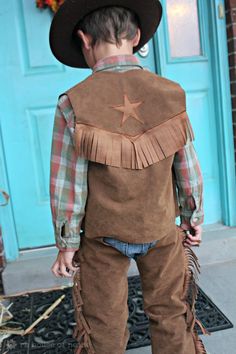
x,y
31,81
183,28
190,65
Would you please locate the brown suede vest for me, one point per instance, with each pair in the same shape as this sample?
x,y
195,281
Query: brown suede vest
x,y
129,125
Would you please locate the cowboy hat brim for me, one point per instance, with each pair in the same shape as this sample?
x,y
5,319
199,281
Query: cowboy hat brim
x,y
63,42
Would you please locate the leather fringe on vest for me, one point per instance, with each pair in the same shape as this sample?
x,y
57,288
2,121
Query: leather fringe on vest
x,y
190,292
133,152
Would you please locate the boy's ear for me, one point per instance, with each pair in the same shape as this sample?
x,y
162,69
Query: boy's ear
x,y
85,38
136,39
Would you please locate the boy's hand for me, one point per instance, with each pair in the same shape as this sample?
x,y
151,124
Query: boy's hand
x,y
193,237
63,267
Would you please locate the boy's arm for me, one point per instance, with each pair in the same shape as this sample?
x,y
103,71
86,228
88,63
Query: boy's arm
x,y
189,183
68,180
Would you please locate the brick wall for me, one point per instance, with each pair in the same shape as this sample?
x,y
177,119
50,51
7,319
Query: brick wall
x,y
230,6
2,255
4,197
2,260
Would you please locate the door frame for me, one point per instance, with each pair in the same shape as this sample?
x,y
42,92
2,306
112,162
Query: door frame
x,y
224,114
224,121
7,222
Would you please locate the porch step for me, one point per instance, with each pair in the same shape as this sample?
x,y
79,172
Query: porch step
x,y
32,270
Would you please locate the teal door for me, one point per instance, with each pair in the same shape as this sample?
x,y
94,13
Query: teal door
x,y
185,45
31,80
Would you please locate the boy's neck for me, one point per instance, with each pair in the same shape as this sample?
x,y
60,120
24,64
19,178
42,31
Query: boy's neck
x,y
116,60
105,50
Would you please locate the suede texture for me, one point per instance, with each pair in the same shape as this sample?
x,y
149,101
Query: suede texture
x,y
132,197
94,98
129,204
102,283
132,193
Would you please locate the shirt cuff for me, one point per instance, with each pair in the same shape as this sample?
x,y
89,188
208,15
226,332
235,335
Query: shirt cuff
x,y
66,249
67,236
192,217
187,223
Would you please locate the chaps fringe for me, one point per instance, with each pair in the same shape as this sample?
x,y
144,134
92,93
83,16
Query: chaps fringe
x,y
82,330
190,293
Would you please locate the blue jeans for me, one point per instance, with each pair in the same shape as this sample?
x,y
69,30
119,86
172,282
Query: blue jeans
x,y
131,250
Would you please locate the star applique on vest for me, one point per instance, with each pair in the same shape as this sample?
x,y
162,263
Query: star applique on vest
x,y
129,110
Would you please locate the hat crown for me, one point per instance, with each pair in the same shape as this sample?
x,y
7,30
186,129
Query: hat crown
x,y
62,40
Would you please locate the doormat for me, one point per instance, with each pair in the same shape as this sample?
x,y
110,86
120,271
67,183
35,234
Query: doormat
x,y
54,335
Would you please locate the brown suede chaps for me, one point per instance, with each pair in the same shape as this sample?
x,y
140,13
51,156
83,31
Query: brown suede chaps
x,y
168,273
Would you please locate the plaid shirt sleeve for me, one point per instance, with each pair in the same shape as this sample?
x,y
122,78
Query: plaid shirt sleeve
x,y
190,186
68,180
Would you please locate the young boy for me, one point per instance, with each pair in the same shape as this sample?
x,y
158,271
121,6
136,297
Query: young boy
x,y
122,145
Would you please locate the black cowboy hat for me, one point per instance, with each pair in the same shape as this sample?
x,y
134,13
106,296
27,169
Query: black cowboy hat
x,y
63,42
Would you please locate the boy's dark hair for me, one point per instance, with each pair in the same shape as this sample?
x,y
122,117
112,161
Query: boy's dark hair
x,y
110,24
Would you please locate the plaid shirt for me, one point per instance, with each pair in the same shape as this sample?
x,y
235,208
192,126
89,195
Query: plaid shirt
x,y
68,172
